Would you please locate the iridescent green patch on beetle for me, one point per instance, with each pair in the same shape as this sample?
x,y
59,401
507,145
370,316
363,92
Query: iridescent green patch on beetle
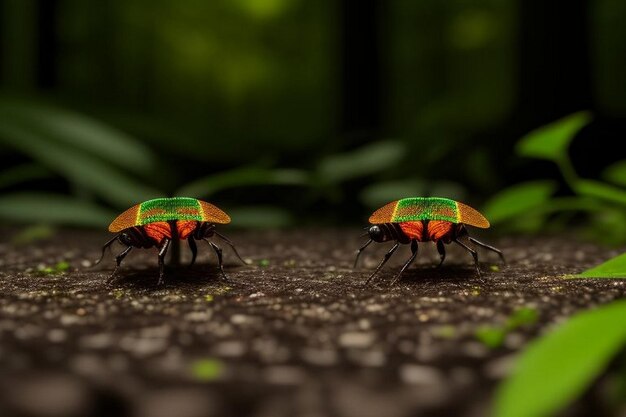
x,y
425,208
166,209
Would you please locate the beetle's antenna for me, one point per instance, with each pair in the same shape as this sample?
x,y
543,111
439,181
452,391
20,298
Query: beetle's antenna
x,y
361,250
106,245
231,244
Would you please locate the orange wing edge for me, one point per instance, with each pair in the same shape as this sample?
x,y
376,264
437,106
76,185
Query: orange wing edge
x,y
472,217
125,220
384,214
213,214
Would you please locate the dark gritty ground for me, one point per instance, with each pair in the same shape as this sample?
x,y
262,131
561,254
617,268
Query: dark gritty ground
x,y
293,334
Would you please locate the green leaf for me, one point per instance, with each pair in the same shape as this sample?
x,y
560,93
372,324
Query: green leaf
x,y
616,173
601,191
52,209
518,200
207,370
207,186
22,173
490,336
613,268
555,369
521,317
260,217
367,160
78,167
552,140
79,132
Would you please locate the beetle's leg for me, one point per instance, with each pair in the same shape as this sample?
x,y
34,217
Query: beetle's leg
x,y
231,244
162,253
106,245
442,252
409,262
118,261
384,261
491,248
474,255
361,250
218,252
194,250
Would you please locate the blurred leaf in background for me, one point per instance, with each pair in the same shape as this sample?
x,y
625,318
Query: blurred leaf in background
x,y
54,209
96,161
366,160
207,186
534,207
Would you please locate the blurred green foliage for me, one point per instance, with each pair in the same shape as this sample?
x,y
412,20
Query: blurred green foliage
x,y
111,170
613,268
177,99
533,206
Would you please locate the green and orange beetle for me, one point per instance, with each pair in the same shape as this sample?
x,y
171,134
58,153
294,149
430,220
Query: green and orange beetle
x,y
423,219
157,222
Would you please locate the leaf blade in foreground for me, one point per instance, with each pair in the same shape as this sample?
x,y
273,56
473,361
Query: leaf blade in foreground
x,y
613,268
556,368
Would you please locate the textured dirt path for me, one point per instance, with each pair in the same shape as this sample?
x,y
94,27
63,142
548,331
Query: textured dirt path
x,y
293,334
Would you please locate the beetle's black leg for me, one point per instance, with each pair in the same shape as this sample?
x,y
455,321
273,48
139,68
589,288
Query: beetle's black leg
x,y
474,255
194,250
409,262
384,261
442,252
218,252
491,248
162,253
361,250
231,244
106,245
118,261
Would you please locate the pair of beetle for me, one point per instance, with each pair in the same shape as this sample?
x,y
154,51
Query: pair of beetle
x,y
156,223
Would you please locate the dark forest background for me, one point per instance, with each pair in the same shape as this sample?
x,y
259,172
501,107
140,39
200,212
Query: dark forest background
x,y
289,112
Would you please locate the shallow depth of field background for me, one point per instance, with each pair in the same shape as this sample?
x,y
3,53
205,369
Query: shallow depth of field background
x,y
293,112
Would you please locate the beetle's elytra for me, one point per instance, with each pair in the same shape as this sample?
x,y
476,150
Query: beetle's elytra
x,y
155,223
423,219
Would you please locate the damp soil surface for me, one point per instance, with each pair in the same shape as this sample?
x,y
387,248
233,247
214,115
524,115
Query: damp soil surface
x,y
294,333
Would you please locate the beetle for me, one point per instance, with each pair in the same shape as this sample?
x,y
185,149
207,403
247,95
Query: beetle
x,y
157,222
423,219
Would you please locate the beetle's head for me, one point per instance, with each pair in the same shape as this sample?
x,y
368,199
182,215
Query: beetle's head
x,y
377,234
125,239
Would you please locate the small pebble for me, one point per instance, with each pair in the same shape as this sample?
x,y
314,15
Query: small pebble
x,y
198,316
320,357
240,319
230,349
420,375
57,335
500,367
475,349
284,375
356,339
